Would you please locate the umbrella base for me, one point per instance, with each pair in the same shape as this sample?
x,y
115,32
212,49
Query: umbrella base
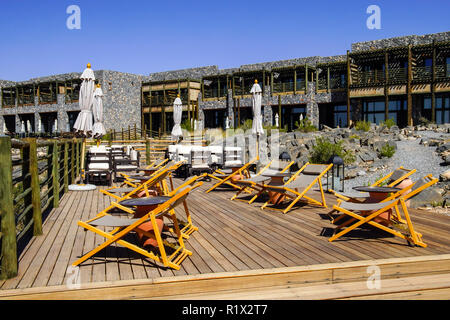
x,y
82,187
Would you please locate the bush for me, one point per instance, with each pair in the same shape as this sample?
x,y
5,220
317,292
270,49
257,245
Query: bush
x,y
324,149
305,125
387,151
388,123
424,121
186,125
246,125
362,125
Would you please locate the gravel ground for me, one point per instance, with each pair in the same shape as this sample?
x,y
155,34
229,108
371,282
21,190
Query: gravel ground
x,y
410,154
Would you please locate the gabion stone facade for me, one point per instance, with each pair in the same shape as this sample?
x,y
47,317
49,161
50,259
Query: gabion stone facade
x,y
121,101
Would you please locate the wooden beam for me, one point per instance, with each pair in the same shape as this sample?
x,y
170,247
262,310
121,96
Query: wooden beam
x,y
408,88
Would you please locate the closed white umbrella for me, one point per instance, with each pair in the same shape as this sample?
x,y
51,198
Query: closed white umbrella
x,y
257,127
83,124
22,128
98,129
39,126
55,126
29,128
177,115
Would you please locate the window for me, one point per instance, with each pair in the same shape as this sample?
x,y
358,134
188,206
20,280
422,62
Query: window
x,y
340,116
373,111
443,109
448,67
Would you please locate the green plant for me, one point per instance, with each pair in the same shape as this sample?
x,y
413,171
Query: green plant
x,y
305,125
388,123
186,125
354,136
387,151
246,125
424,121
362,125
324,149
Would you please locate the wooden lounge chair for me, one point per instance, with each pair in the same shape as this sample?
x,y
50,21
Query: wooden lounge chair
x,y
391,180
296,189
226,179
254,182
362,213
124,226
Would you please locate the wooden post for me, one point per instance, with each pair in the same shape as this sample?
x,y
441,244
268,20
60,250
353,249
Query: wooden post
x,y
147,151
386,87
280,123
72,162
77,158
35,187
432,88
66,167
349,76
55,174
408,88
8,224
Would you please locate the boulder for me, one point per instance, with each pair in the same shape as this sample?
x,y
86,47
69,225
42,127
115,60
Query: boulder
x,y
429,196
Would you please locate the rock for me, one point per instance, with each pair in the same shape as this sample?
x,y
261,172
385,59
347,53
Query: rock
x,y
431,195
445,176
361,173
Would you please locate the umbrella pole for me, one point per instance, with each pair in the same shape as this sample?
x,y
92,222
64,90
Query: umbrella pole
x,y
83,149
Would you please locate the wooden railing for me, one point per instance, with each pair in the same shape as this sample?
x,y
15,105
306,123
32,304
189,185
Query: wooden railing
x,y
34,174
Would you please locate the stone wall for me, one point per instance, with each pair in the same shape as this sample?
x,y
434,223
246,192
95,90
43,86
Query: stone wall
x,y
400,41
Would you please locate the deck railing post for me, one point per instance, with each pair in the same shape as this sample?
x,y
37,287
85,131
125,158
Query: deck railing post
x,y
35,187
66,166
147,151
8,223
55,174
72,161
77,158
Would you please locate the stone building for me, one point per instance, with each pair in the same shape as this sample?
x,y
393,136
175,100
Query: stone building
x,y
46,99
406,79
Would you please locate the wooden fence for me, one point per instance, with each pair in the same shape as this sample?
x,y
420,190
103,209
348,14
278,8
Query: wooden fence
x,y
34,174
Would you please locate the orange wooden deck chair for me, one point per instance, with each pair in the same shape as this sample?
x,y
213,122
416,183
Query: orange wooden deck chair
x,y
391,180
253,183
365,213
123,226
187,226
226,179
296,189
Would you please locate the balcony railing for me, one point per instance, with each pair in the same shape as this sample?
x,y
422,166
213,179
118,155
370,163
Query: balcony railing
x,y
442,71
279,87
370,78
398,75
213,92
422,73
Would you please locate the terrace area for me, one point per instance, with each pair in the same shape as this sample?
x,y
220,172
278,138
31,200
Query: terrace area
x,y
237,246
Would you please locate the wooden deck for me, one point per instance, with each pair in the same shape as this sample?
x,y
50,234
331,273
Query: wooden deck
x,y
233,237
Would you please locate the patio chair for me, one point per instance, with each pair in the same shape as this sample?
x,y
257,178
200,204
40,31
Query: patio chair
x,y
159,247
99,167
199,161
123,164
155,182
255,181
295,189
391,180
367,213
226,178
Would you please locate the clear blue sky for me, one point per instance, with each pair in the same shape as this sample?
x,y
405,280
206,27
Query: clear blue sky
x,y
150,36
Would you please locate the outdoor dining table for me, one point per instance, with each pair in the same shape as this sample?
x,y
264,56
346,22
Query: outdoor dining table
x,y
234,168
144,206
148,171
377,194
276,179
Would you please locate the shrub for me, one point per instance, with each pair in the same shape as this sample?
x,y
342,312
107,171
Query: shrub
x,y
305,125
246,125
362,125
186,125
388,123
424,121
387,151
324,149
